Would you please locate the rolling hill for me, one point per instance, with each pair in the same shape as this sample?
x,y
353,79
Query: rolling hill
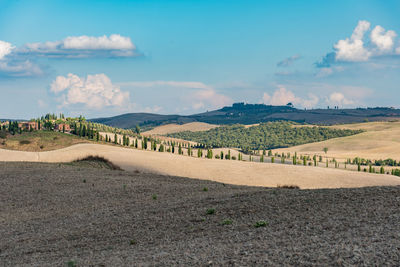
x,y
255,113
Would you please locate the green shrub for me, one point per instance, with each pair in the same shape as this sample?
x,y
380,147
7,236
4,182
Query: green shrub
x,y
260,224
210,211
227,222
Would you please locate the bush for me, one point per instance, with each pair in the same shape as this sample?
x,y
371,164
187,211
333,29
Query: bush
x,y
210,211
3,134
24,142
233,158
260,224
286,186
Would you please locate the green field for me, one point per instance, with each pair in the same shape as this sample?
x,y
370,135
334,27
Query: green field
x,y
264,136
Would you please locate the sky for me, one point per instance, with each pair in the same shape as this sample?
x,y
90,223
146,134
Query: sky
x,y
105,58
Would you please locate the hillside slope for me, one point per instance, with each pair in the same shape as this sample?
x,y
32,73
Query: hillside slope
x,y
256,113
381,140
176,128
224,171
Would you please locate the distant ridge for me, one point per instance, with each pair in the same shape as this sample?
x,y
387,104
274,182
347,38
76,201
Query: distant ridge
x,y
255,113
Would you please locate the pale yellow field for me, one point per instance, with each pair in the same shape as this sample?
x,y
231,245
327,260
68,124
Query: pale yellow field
x,y
225,171
380,141
175,128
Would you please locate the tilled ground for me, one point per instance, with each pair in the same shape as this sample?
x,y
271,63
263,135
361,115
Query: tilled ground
x,y
60,215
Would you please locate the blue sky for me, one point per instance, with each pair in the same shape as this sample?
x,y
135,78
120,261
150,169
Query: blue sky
x,y
102,58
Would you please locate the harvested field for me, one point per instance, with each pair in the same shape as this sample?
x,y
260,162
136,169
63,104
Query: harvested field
x,y
175,128
52,214
381,140
225,171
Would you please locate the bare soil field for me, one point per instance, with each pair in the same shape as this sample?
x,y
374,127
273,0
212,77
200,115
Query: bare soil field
x,y
175,128
381,140
224,171
60,214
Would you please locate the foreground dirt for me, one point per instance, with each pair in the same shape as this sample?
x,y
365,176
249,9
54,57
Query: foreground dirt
x,y
52,214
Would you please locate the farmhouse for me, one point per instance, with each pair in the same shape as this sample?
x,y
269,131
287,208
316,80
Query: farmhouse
x,y
28,125
62,127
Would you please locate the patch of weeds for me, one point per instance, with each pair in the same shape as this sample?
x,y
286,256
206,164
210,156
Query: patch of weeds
x,y
227,222
71,263
154,197
132,242
260,224
210,211
205,189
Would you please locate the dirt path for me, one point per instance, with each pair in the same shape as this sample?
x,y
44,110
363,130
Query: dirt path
x,y
224,171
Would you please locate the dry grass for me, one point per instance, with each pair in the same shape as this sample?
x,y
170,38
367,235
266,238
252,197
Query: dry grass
x,y
40,141
380,140
224,171
175,128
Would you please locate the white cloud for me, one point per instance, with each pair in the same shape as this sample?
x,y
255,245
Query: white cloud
x,y
19,69
383,40
209,98
282,97
337,98
361,47
5,49
114,42
352,49
83,46
95,92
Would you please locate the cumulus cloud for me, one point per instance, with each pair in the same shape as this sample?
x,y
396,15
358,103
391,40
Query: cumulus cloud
x,y
114,45
282,97
288,61
384,41
337,98
352,49
94,91
360,47
5,49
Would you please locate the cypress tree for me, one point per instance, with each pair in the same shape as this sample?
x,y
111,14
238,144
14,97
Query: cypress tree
x,y
359,166
115,138
262,157
269,153
294,160
272,160
304,161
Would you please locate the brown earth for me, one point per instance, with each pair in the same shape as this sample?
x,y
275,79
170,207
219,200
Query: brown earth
x,y
58,214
